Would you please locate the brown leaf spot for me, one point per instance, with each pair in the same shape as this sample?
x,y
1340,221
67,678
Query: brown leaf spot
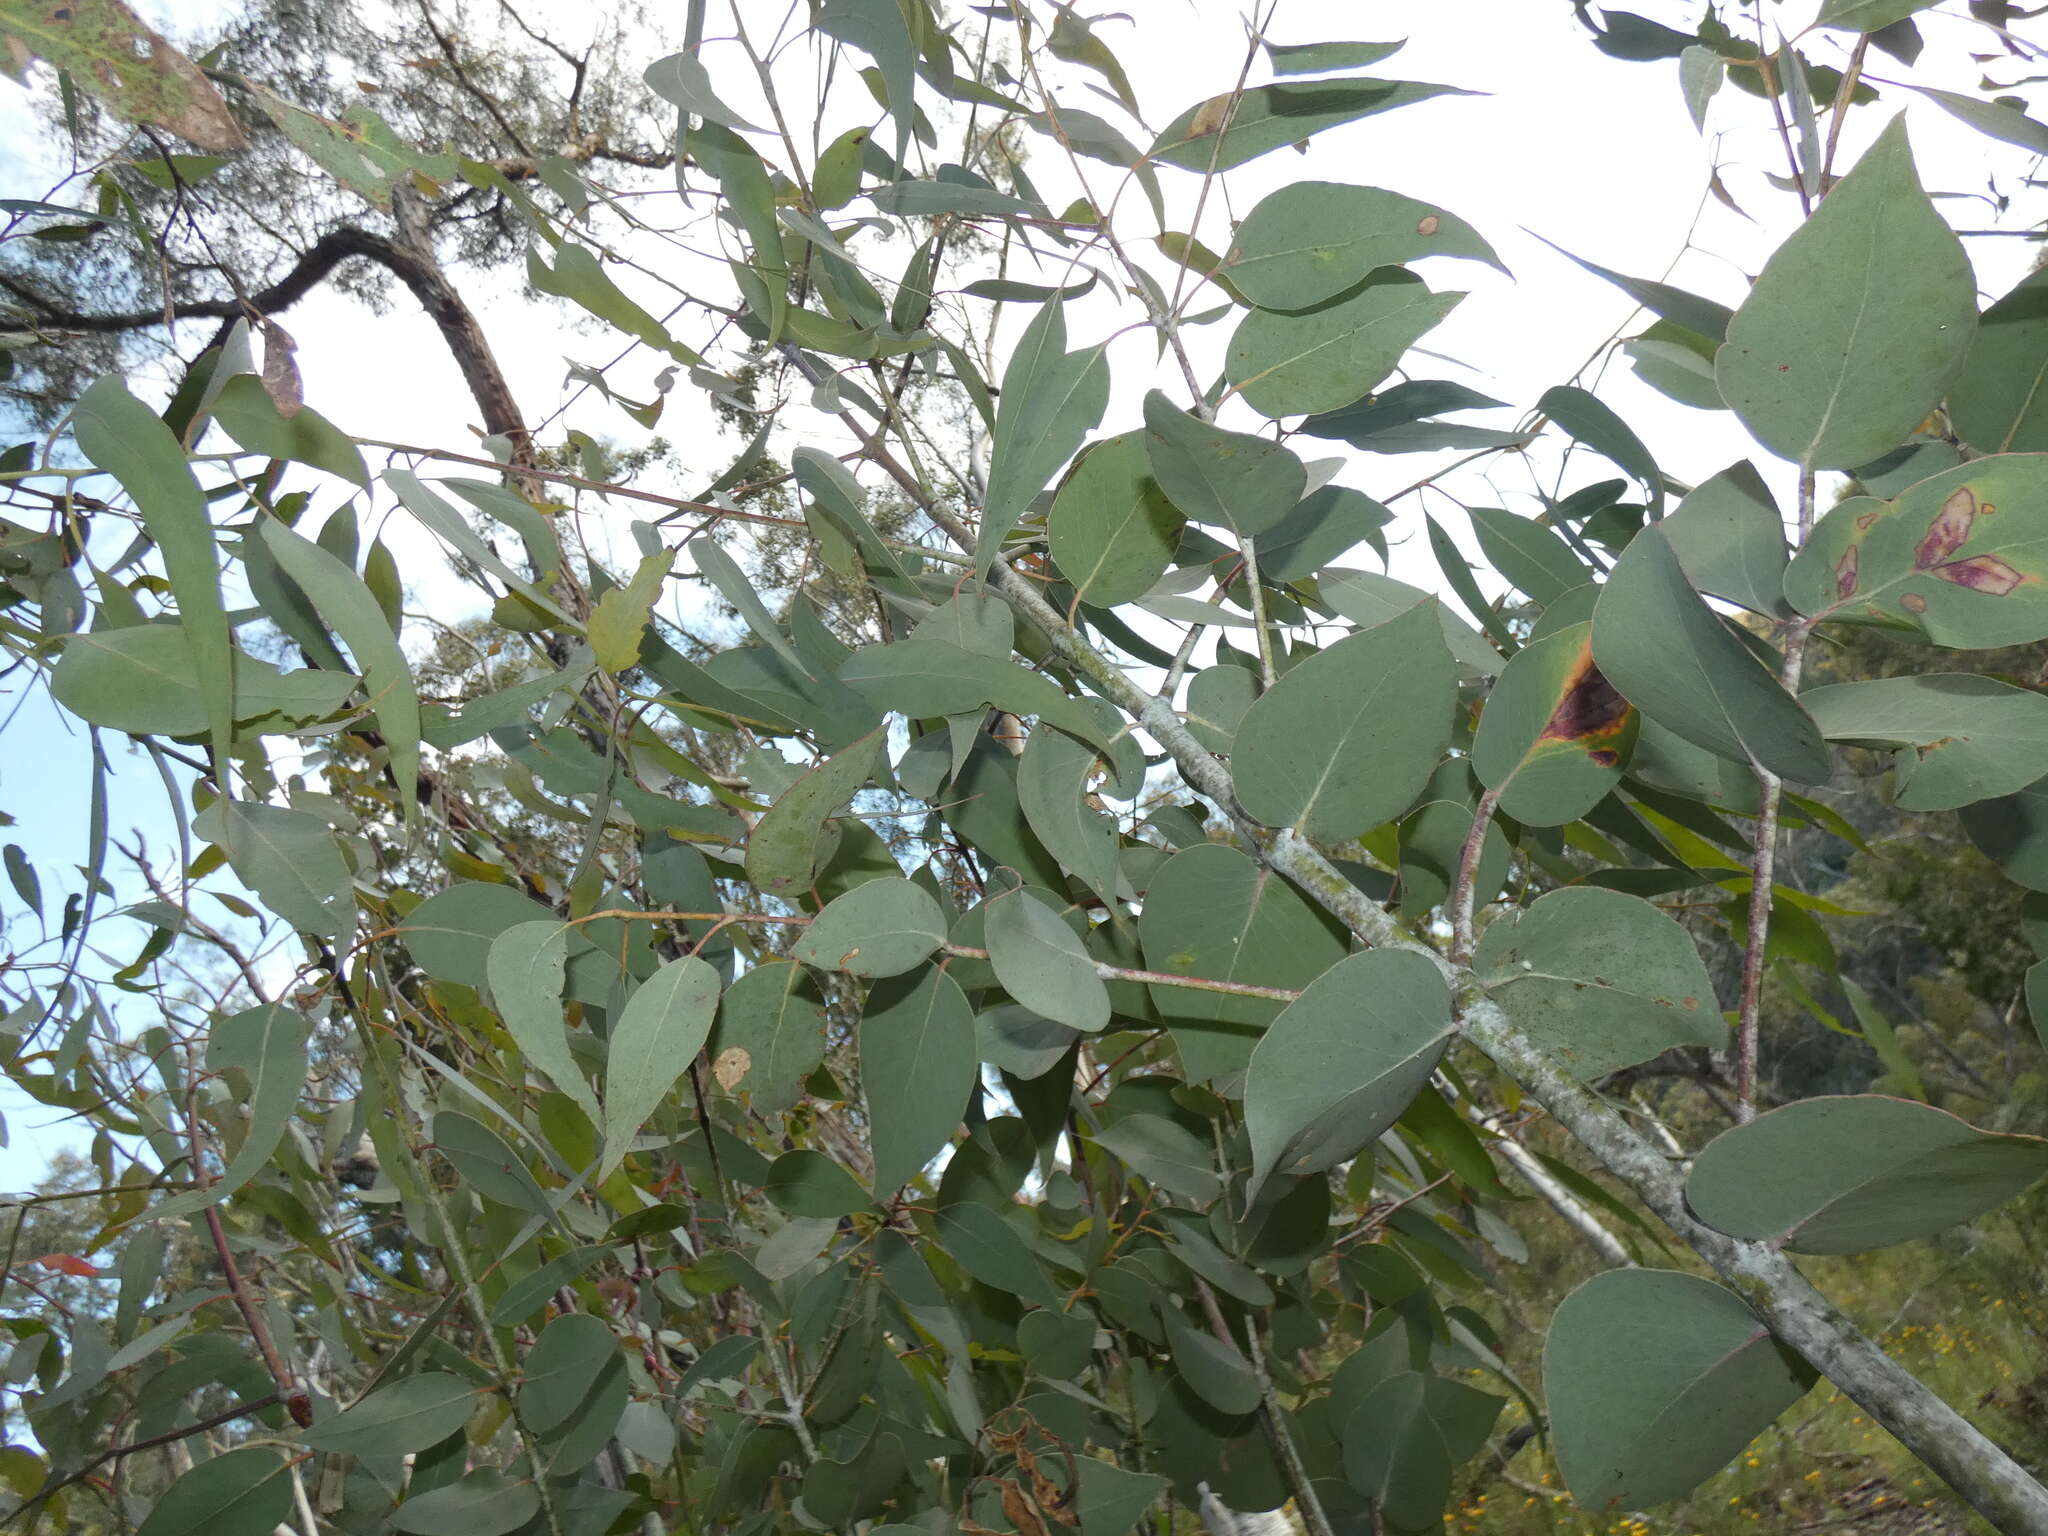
x,y
1949,530
1845,572
1590,710
1606,757
730,1065
281,369
1429,225
1865,522
1913,602
1986,573
1210,117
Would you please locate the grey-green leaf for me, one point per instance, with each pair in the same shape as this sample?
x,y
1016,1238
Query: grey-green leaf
x,y
1112,530
1964,737
659,1033
1848,1174
1655,1381
1226,479
1730,540
1225,131
1342,1062
1312,240
525,968
786,844
2000,404
1859,322
407,1415
1051,401
917,1060
242,1493
1301,362
267,1044
1666,652
1040,962
1347,739
881,928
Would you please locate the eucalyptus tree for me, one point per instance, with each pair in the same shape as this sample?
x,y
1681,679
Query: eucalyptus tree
x,y
1025,1049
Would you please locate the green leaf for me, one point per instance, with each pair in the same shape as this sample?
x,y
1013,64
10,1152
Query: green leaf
x,y
724,573
1408,1435
682,79
407,1415
1877,1029
1269,117
1655,1381
1369,599
1858,324
246,413
1961,558
483,1160
360,152
1051,401
105,47
1555,735
808,1183
525,968
347,607
927,678
1112,1499
1226,479
1347,739
1211,912
1040,962
1325,525
1866,15
1528,554
1317,58
1315,239
267,1044
484,1502
450,933
1967,738
1666,652
1164,1153
658,1034
930,199
2013,831
724,1359
1589,419
1999,120
1730,540
1305,361
621,616
1845,1175
574,1390
749,193
140,680
1111,529
770,1035
989,1249
1213,1370
917,1069
128,440
788,843
1342,1062
290,859
876,27
1601,979
1702,316
535,1290
882,928
578,277
242,1493
2000,404
1053,778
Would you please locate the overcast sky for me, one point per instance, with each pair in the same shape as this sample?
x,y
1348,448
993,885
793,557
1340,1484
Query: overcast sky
x,y
1594,153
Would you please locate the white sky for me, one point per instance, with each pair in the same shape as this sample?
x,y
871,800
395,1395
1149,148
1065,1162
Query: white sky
x,y
1596,153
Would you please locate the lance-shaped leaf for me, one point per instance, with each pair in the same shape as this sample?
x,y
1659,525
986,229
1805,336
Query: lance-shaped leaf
x,y
1214,1370
2000,404
877,28
140,680
288,858
1211,912
1555,735
1040,962
1848,1174
348,608
1225,479
447,524
402,1416
1347,739
682,79
1299,362
483,1502
619,621
989,1249
241,1493
574,1390
1165,1153
1701,316
1051,401
246,413
486,1162
1966,738
1962,557
1112,530
1602,979
128,440
1527,553
770,1035
1730,540
1227,130
917,1069
659,1033
1867,15
784,848
880,928
1053,779
1406,1438
1314,239
107,49
1655,1381
1342,1061
926,678
1857,324
525,967
1592,421
267,1045
1666,652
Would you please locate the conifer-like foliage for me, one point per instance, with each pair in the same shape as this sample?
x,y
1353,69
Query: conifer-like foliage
x,y
975,965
